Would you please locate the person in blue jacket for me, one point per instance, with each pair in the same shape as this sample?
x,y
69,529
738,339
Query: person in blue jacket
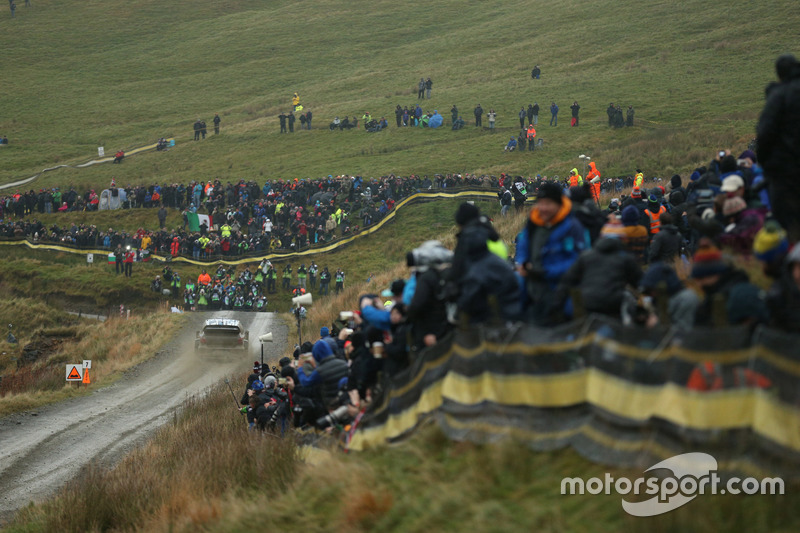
x,y
550,243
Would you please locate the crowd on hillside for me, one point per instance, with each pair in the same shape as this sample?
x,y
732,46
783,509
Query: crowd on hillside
x,y
572,258
245,290
244,218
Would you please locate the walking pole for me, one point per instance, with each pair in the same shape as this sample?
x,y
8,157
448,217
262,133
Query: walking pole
x,y
228,383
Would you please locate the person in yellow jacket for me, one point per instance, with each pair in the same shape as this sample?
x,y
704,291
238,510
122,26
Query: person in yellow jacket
x,y
575,179
638,179
225,230
295,100
146,240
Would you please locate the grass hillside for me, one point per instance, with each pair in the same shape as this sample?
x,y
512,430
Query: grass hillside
x,y
121,74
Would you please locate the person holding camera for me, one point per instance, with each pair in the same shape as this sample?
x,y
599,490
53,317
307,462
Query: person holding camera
x,y
427,311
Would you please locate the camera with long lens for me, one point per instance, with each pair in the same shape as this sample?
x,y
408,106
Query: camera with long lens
x,y
338,415
429,254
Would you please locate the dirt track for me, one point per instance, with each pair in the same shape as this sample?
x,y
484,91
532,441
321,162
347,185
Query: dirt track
x,y
41,450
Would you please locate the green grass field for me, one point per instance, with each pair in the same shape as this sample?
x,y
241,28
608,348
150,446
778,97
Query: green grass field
x,y
121,74
79,75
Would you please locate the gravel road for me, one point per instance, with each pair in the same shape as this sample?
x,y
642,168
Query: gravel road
x,y
41,450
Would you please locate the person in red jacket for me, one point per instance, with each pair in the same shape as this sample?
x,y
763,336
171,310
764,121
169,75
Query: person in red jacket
x,y
129,255
175,247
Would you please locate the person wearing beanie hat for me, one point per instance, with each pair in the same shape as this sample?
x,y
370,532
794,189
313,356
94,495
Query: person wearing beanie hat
x,y
466,212
636,192
722,283
550,243
613,207
661,281
733,206
667,243
551,191
601,275
770,246
635,236
653,212
741,225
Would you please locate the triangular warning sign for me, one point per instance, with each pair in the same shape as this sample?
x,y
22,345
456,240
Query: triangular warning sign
x,y
86,379
74,374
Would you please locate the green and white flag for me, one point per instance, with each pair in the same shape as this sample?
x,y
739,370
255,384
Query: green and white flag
x,y
196,220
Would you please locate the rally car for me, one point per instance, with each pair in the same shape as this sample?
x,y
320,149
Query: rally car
x,y
222,334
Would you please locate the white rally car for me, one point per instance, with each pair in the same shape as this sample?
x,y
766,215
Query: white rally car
x,y
222,334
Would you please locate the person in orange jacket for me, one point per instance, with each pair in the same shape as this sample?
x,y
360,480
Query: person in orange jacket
x,y
531,134
175,247
593,177
204,279
575,179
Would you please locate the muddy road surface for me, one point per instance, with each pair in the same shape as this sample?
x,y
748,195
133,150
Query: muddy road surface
x,y
41,450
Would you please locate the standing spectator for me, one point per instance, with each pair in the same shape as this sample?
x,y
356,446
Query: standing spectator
x,y
196,127
324,281
601,275
203,129
522,116
162,217
492,116
575,108
535,113
610,111
531,134
667,243
129,254
553,114
536,72
478,113
530,114
547,247
290,119
398,115
118,257
13,7
505,201
421,89
618,120
217,120
428,87
295,101
629,116
454,113
779,145
308,119
339,278
282,117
